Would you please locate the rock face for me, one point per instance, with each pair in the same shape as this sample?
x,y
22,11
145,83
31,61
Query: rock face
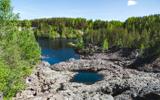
x,y
52,82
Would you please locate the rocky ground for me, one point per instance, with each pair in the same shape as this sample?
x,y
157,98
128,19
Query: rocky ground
x,y
121,82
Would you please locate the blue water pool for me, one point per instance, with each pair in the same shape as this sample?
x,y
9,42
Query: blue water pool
x,y
87,77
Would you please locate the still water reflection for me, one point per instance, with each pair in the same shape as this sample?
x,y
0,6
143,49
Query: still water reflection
x,y
57,50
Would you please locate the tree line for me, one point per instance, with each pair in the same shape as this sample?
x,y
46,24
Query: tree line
x,y
136,32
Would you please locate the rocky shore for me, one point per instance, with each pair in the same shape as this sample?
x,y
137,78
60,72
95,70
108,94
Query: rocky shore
x,y
121,81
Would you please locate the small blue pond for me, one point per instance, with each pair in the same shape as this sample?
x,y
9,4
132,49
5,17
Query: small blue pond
x,y
87,77
57,50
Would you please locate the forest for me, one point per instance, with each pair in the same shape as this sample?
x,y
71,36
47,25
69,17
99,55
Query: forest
x,y
141,33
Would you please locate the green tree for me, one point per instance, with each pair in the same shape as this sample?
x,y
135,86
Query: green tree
x,y
105,45
80,43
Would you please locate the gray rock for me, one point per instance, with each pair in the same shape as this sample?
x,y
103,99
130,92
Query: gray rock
x,y
92,65
45,63
1,96
151,91
53,82
71,59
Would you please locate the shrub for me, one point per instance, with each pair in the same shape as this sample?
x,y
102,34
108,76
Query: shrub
x,y
105,45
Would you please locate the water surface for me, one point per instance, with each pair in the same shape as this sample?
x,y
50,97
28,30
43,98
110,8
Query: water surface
x,y
87,77
56,50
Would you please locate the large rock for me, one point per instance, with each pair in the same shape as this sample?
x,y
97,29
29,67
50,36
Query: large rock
x,y
91,65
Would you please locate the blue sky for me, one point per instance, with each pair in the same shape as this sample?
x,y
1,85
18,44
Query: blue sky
x,y
90,9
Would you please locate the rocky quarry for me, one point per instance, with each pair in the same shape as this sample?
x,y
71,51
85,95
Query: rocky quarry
x,y
121,81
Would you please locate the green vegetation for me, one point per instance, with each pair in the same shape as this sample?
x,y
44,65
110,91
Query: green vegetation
x,y
80,43
105,44
19,51
136,32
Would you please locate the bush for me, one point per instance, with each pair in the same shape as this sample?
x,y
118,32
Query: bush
x,y
80,43
105,45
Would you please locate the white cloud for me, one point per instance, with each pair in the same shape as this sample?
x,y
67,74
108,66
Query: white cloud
x,y
132,2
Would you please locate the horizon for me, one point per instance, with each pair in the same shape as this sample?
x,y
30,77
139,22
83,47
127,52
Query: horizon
x,y
107,10
89,19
